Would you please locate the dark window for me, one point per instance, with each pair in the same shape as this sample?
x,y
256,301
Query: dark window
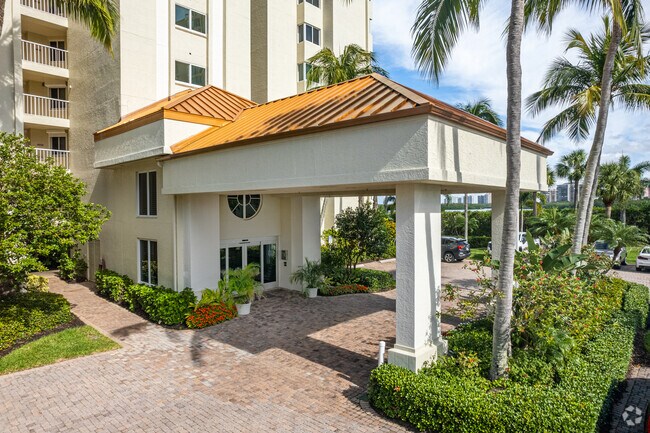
x,y
58,143
245,206
191,74
147,194
198,22
182,17
309,33
148,261
190,19
182,72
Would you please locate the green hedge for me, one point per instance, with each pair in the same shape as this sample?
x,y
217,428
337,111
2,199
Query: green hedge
x,y
159,304
25,314
444,398
479,241
374,280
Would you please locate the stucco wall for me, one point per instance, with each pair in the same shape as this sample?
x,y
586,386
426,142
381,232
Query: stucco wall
x,y
10,69
266,223
119,238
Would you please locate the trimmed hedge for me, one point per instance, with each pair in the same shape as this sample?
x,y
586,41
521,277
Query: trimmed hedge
x,y
479,241
345,289
159,304
23,315
448,398
375,281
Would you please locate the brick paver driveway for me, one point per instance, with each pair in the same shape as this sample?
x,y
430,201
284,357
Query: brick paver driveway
x,y
293,365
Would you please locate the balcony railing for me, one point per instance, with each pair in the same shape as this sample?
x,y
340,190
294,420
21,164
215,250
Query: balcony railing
x,y
48,107
45,55
48,6
60,157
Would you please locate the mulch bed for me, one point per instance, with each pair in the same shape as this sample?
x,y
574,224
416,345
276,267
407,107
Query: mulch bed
x,y
74,323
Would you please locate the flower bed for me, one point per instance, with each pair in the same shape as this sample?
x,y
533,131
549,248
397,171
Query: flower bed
x,y
571,393
210,315
345,289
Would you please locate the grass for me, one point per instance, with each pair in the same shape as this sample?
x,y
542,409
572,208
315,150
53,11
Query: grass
x,y
478,254
67,344
632,253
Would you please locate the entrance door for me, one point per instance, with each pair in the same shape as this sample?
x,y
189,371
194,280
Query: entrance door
x,y
261,251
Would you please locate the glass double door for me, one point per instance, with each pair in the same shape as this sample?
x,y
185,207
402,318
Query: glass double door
x,y
262,252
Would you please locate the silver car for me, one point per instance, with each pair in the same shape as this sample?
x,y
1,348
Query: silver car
x,y
603,249
643,259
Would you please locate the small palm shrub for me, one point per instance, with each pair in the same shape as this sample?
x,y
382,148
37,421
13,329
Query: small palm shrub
x,y
310,275
241,284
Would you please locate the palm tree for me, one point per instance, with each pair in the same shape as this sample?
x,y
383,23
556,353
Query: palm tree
x,y
437,27
627,19
482,108
551,222
572,168
618,182
100,16
619,235
354,61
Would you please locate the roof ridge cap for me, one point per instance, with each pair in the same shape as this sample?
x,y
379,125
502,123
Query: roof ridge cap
x,y
403,90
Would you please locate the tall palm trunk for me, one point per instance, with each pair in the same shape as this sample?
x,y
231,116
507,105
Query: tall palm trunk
x,y
582,223
501,343
592,199
2,14
466,219
576,188
535,204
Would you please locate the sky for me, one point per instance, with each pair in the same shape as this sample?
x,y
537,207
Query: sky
x,y
477,69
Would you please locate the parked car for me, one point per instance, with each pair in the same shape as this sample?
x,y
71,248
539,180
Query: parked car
x,y
454,249
522,243
603,249
643,259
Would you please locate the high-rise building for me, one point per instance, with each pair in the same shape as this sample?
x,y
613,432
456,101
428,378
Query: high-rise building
x,y
61,86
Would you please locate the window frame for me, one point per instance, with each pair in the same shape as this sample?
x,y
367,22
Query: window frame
x,y
139,262
191,20
303,70
315,3
149,206
191,66
302,33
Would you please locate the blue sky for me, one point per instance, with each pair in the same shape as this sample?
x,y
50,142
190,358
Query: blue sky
x,y
477,70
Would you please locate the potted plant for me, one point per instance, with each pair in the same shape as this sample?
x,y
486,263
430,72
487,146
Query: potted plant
x,y
310,276
242,287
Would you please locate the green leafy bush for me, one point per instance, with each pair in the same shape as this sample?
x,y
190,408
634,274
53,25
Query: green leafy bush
x,y
346,289
160,304
452,396
375,280
73,268
209,315
479,241
25,314
112,285
37,283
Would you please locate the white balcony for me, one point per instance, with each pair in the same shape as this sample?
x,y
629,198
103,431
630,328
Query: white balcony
x,y
40,110
45,10
60,157
45,59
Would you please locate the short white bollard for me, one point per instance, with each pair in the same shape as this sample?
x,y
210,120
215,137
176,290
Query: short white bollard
x,y
382,350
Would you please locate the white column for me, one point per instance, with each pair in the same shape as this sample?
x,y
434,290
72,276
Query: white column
x,y
498,210
418,336
199,241
305,232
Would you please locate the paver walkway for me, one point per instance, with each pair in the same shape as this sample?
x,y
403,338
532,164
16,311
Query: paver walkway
x,y
293,365
637,387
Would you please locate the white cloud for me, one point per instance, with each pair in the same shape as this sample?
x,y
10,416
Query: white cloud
x,y
477,68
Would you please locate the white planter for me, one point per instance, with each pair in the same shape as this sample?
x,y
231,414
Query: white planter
x,y
243,309
312,293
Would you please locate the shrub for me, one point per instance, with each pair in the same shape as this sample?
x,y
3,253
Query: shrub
x,y
160,304
346,289
376,281
210,315
37,283
73,268
479,241
112,285
25,314
646,342
450,396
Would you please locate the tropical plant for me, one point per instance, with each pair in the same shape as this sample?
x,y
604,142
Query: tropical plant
x,y
214,297
618,182
572,168
453,223
310,275
618,235
354,61
100,16
241,284
551,222
626,34
437,26
482,108
43,214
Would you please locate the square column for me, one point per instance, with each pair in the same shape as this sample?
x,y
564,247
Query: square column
x,y
305,232
418,336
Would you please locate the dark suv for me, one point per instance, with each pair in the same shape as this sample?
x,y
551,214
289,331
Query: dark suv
x,y
454,249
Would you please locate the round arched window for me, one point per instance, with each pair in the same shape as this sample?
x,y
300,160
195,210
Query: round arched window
x,y
245,206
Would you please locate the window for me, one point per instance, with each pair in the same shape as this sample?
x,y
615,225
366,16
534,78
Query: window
x,y
58,143
190,19
309,33
57,94
303,70
311,2
147,194
245,206
56,55
148,261
190,74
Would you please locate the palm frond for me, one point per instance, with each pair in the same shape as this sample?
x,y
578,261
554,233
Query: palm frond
x,y
100,16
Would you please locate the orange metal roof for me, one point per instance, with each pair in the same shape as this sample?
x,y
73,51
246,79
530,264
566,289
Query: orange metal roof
x,y
209,105
367,99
